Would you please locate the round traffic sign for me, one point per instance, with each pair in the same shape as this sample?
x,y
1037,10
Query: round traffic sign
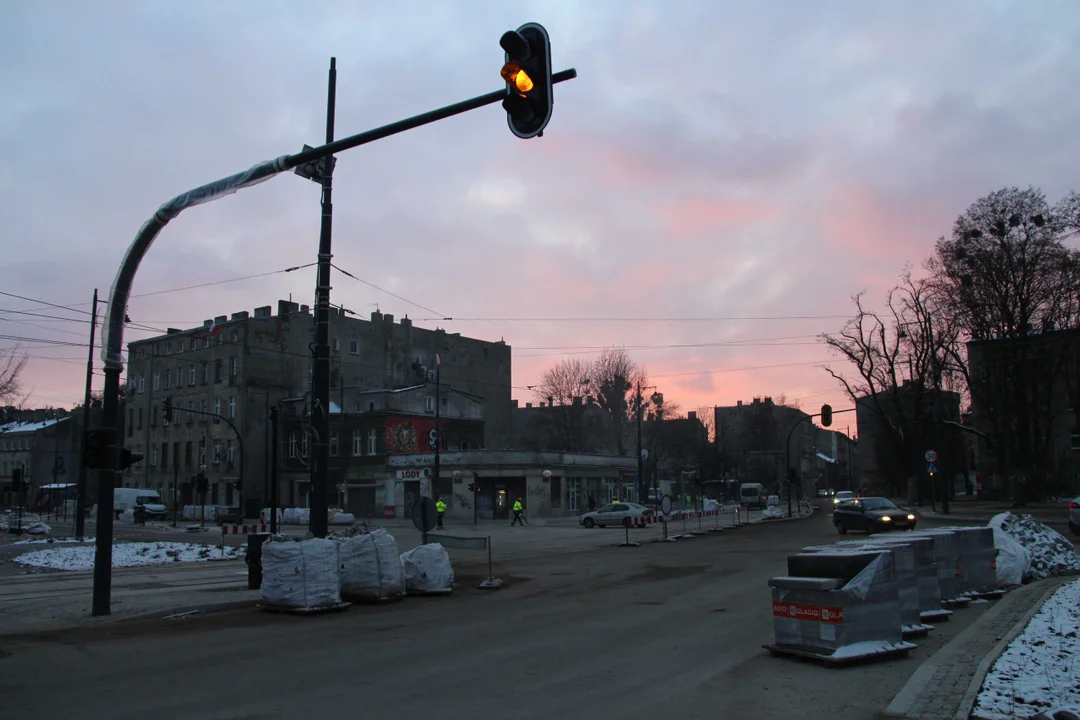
x,y
665,504
931,456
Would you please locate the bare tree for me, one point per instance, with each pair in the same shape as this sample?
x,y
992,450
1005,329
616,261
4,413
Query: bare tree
x,y
558,388
616,378
899,358
1008,279
10,373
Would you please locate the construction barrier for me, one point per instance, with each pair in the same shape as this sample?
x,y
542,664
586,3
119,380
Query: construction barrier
x,y
244,529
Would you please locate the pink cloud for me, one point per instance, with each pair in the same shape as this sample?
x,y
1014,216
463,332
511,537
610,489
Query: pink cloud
x,y
693,216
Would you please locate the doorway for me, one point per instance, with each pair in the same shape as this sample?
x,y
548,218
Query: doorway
x,y
502,503
412,495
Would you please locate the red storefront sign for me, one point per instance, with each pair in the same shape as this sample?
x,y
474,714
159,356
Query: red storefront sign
x,y
816,613
410,435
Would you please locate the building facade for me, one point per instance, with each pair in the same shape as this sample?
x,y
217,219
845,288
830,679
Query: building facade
x,y
751,440
224,377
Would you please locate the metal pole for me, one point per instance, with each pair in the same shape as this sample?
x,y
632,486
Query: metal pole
x,y
643,488
475,497
436,488
320,379
80,490
113,345
273,469
175,479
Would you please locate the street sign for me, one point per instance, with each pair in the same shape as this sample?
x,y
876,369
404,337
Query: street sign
x,y
665,504
931,468
931,456
424,515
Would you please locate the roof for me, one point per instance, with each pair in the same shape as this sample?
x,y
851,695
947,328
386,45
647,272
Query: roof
x,y
29,427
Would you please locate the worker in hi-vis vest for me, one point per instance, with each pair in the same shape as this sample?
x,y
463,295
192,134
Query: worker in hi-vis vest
x,y
440,508
519,517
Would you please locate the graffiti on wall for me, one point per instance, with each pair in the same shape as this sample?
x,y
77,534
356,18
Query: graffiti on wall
x,y
538,491
460,501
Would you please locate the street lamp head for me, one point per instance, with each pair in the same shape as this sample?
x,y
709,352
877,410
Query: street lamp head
x,y
658,398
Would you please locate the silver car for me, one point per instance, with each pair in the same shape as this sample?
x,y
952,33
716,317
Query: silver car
x,y
616,513
1074,515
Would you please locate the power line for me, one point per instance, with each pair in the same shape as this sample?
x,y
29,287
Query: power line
x,y
739,369
731,318
383,290
223,282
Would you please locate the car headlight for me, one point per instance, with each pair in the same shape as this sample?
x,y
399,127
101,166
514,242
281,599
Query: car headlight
x,y
910,517
886,518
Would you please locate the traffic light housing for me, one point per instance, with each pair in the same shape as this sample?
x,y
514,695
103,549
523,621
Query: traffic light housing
x,y
167,410
527,72
94,449
202,483
129,458
472,487
826,415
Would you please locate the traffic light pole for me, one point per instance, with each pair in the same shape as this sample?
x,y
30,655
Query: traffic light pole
x,y
120,294
787,451
80,490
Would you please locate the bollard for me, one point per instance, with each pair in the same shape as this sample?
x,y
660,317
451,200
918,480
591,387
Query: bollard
x,y
254,560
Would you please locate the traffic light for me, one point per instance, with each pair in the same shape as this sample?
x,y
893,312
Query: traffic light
x,y
94,449
167,410
826,415
472,487
129,458
202,483
527,72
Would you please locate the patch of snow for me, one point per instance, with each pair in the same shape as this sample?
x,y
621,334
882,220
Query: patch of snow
x,y
81,557
1039,669
1051,553
772,511
50,541
978,601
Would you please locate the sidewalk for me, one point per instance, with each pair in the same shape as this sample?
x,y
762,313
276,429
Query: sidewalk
x,y
946,685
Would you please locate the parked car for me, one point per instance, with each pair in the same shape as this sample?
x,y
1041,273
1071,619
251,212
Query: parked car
x,y
148,500
872,514
843,496
618,513
1074,515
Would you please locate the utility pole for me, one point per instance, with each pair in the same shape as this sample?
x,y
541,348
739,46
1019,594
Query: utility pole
x,y
643,489
436,486
175,478
80,489
273,469
320,377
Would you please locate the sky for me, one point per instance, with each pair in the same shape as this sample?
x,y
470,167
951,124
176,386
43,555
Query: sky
x,y
711,190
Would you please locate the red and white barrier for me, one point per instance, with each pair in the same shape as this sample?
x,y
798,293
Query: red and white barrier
x,y
389,512
245,529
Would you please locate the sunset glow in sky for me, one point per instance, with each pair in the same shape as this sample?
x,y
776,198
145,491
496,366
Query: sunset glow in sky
x,y
710,192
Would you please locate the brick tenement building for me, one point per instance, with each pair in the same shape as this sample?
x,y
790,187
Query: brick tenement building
x,y
240,366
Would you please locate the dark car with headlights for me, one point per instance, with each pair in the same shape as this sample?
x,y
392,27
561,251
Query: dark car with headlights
x,y
872,514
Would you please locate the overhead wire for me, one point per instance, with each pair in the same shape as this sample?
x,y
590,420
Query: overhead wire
x,y
388,292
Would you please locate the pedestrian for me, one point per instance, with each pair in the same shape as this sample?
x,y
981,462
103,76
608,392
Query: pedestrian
x,y
519,519
440,508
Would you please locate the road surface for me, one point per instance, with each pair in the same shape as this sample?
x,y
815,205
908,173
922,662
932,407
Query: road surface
x,y
659,630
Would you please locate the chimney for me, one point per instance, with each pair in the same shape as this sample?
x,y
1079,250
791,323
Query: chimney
x,y
172,331
304,309
514,404
406,322
376,316
242,315
221,319
590,400
692,415
388,319
577,401
263,312
285,307
739,404
528,404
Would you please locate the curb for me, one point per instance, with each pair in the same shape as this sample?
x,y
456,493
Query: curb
x,y
968,703
903,701
204,608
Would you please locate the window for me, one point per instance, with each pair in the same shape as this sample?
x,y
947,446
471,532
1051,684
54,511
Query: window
x,y
180,377
304,445
176,454
202,451
191,375
130,424
372,435
217,451
337,345
190,407
354,347
429,403
217,406
235,336
217,370
203,404
1074,439
153,458
357,443
164,455
157,381
138,418
309,371
142,382
168,348
292,444
180,346
168,379
232,370
205,373
187,453
230,451
232,408
333,442
153,415
176,413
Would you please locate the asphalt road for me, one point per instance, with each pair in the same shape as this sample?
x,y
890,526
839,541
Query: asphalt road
x,y
659,630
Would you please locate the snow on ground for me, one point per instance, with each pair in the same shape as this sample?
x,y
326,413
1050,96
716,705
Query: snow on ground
x,y
49,541
81,557
1051,553
1040,669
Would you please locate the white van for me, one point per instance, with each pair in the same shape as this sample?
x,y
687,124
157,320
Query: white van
x,y
753,495
149,500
